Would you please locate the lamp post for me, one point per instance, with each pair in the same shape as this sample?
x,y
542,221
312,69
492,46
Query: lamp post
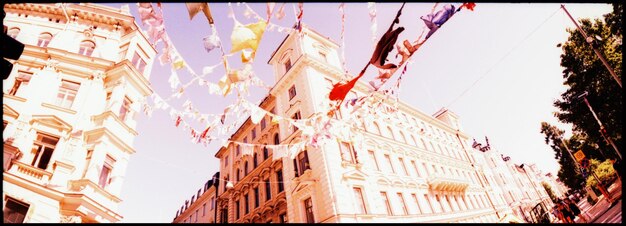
x,y
602,129
590,41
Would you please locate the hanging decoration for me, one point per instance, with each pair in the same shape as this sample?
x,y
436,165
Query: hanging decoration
x,y
196,7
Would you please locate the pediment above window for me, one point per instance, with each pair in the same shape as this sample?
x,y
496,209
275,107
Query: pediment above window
x,y
51,121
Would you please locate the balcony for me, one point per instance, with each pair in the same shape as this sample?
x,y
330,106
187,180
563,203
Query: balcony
x,y
29,172
445,182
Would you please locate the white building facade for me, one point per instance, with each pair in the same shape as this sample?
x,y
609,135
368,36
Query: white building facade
x,y
409,167
69,110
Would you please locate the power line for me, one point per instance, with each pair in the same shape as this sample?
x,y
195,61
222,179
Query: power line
x,y
502,58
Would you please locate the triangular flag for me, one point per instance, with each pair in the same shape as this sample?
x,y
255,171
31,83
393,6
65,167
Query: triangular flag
x,y
194,8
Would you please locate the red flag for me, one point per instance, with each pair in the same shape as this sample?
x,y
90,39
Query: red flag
x,y
340,91
468,5
178,120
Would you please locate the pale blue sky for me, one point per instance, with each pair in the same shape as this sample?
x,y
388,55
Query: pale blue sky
x,y
514,95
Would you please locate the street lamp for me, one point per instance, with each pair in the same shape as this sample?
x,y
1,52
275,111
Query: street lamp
x,y
602,129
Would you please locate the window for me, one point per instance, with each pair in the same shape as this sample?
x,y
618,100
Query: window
x,y
246,203
377,128
425,168
424,144
238,174
196,216
237,208
105,173
44,39
268,190
13,32
387,204
373,157
403,137
390,164
417,172
125,109
225,161
347,153
401,199
279,177
245,168
302,163
204,209
439,205
406,172
253,133
283,218
212,206
22,79
292,92
296,116
308,209
255,161
238,150
67,93
138,62
390,133
266,153
263,124
276,139
322,55
15,211
86,48
430,205
417,203
256,197
42,150
287,65
360,201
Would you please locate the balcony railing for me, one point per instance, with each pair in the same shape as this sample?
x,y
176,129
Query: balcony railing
x,y
444,182
30,172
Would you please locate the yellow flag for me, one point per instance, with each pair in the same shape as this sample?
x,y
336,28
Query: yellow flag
x,y
248,36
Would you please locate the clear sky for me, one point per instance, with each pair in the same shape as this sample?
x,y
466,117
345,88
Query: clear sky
x,y
497,67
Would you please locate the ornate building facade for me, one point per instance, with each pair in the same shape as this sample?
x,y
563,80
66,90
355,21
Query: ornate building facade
x,y
69,110
410,167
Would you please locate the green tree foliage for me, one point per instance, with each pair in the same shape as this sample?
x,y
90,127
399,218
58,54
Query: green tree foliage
x,y
549,191
604,171
583,71
569,173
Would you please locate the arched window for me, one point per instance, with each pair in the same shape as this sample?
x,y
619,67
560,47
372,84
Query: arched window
x,y
390,133
13,32
403,137
245,168
276,139
86,48
44,39
255,159
265,152
377,128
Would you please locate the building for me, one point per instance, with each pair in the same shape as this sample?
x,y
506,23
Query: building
x,y
69,109
410,167
201,207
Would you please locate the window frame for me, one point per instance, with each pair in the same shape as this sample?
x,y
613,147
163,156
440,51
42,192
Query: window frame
x,y
44,149
360,200
9,211
292,92
66,90
308,210
42,41
86,50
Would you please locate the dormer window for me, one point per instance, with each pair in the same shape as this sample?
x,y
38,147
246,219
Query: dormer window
x,y
86,48
44,39
13,32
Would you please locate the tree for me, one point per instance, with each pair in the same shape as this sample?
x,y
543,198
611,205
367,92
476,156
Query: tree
x,y
583,71
569,173
549,191
604,171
